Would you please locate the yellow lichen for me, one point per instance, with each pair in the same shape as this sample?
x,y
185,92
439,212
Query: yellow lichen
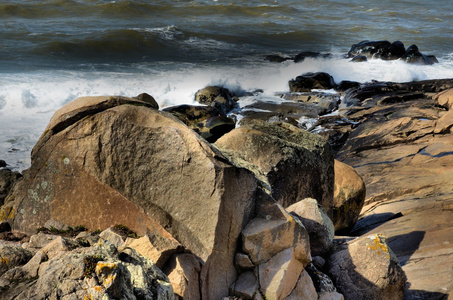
x,y
378,244
4,261
98,288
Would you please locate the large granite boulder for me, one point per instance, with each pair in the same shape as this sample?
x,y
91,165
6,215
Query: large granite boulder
x,y
366,268
292,163
114,160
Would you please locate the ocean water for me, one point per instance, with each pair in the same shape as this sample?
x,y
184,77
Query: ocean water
x,y
53,51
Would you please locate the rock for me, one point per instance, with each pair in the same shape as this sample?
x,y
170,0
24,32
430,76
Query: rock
x,y
38,241
204,120
183,271
370,49
310,54
7,180
292,163
359,58
12,255
304,288
148,99
113,237
158,248
309,81
349,197
4,227
243,262
218,97
81,175
323,284
278,276
262,239
346,84
319,226
57,246
366,268
395,51
276,58
3,163
94,272
246,286
445,99
414,56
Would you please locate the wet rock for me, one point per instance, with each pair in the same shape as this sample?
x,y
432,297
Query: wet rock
x,y
319,226
346,84
292,163
204,120
276,58
369,49
349,197
3,163
310,54
359,58
395,51
414,56
366,268
309,81
218,97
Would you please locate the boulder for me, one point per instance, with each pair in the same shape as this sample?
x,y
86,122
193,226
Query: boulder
x,y
95,272
323,284
112,236
278,276
366,268
304,289
369,49
262,239
319,226
243,262
220,98
169,182
310,54
309,81
414,56
359,58
12,255
246,287
148,99
293,164
156,248
349,197
183,271
7,180
204,120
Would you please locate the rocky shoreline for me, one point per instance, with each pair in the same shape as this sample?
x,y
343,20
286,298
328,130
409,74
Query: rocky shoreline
x,y
124,200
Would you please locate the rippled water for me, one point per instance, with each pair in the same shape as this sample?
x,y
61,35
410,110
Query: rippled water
x,y
52,51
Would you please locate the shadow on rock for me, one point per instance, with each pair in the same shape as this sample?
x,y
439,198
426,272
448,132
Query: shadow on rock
x,y
370,222
405,245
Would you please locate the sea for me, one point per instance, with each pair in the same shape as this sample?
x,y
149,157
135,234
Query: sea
x,y
53,51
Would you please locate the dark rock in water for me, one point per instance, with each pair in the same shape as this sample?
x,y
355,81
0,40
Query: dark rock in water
x,y
370,49
308,81
276,58
414,56
346,84
2,163
359,58
395,51
148,99
303,55
7,180
204,120
218,97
